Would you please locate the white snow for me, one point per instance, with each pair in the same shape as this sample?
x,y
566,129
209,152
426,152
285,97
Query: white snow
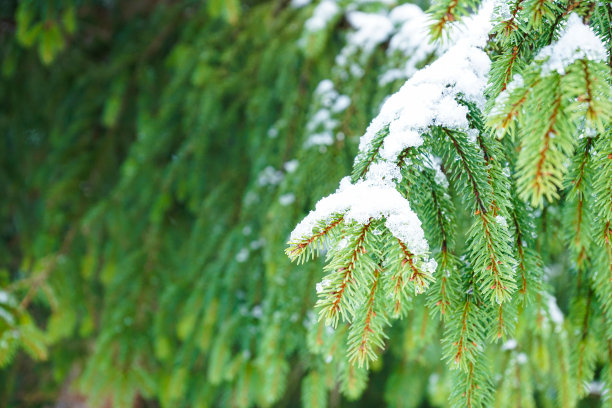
x,y
521,358
502,11
291,166
596,387
322,15
300,3
320,139
324,87
501,221
270,176
368,199
577,42
384,173
272,133
5,298
341,103
286,199
430,266
322,116
257,312
410,41
474,29
370,30
435,163
322,125
407,13
258,243
553,310
429,97
391,75
242,255
322,285
509,345
500,102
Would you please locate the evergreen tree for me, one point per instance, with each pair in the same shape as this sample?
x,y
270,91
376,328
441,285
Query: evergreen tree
x,y
157,156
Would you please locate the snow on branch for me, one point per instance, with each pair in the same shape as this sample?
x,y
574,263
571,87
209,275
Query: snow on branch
x,y
429,98
577,42
373,198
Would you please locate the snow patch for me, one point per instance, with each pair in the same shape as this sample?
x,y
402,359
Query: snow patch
x,y
429,97
521,358
300,3
509,345
410,41
322,285
258,243
501,221
291,166
553,310
270,176
286,199
371,30
578,41
435,163
322,126
242,255
322,15
6,298
257,312
368,199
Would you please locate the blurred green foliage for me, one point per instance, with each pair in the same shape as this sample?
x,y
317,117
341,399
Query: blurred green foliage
x,y
156,154
141,256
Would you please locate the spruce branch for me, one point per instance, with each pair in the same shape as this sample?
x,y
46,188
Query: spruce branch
x,y
578,203
491,255
529,263
602,230
509,26
472,388
366,332
353,380
584,356
335,298
473,174
543,179
406,273
488,238
364,160
420,278
447,11
539,11
443,290
309,247
428,191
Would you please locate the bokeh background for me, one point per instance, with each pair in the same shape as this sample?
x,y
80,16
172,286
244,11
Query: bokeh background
x,y
154,156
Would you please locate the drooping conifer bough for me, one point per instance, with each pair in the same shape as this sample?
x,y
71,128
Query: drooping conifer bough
x,y
511,121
